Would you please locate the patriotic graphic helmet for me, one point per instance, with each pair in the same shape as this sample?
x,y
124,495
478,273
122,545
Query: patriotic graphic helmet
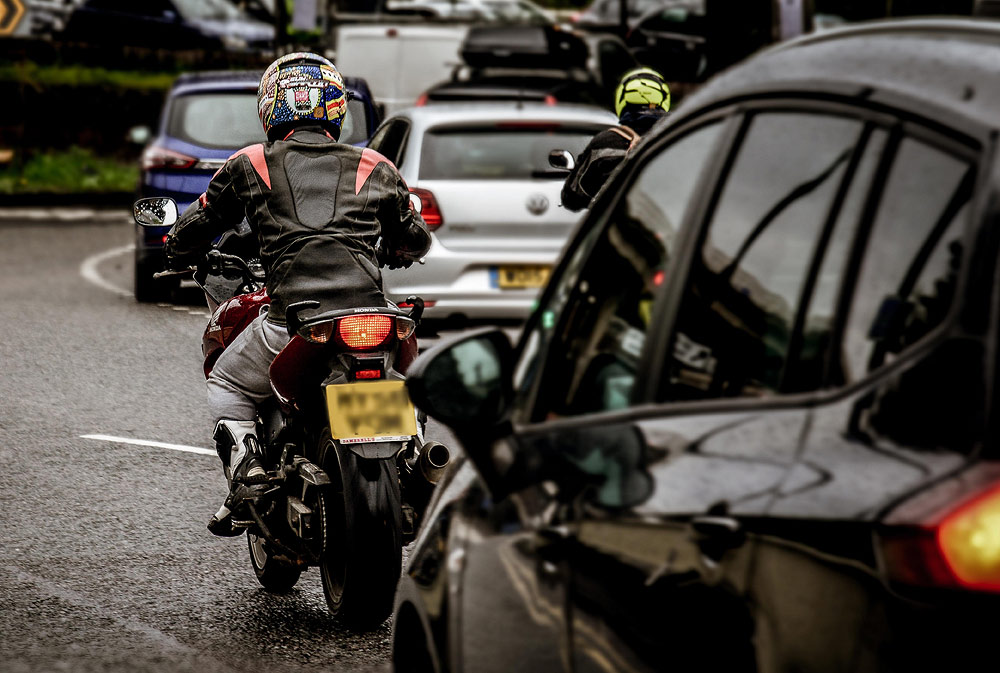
x,y
642,89
301,87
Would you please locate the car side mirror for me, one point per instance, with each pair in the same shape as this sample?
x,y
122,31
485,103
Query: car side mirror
x,y
157,211
139,135
466,383
562,160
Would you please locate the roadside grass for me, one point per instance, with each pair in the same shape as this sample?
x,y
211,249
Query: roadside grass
x,y
39,76
68,171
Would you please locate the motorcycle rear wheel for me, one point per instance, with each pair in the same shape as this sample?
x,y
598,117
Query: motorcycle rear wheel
x,y
276,576
363,537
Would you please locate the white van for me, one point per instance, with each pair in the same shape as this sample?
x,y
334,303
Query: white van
x,y
399,61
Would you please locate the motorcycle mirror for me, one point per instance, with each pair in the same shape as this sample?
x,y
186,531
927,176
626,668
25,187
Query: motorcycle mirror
x,y
562,160
416,203
157,211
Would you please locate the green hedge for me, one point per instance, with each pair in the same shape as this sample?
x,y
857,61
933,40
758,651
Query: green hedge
x,y
75,170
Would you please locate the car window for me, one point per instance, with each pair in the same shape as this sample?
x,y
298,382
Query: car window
x,y
591,330
734,327
390,140
514,151
912,257
228,120
219,120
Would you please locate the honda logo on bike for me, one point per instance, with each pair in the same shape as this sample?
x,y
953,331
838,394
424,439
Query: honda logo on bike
x,y
537,204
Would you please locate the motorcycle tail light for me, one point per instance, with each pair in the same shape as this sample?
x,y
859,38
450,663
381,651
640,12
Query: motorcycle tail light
x,y
404,328
318,333
362,332
154,158
429,209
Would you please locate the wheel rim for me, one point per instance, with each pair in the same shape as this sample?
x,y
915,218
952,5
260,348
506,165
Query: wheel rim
x,y
257,552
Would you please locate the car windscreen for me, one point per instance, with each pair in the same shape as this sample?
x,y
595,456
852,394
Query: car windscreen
x,y
228,120
505,151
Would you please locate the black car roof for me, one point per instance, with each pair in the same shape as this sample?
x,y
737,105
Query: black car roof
x,y
945,67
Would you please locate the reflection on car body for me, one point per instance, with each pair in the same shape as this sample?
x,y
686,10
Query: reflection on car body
x,y
800,469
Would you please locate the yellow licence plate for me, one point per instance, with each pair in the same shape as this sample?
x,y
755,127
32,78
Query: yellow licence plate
x,y
373,411
515,277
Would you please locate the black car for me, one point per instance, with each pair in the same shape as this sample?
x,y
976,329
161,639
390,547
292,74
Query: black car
x,y
751,425
167,24
535,63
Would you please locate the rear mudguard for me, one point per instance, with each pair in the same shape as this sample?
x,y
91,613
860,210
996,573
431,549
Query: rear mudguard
x,y
374,450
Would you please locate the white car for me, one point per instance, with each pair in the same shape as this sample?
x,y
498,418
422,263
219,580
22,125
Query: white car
x,y
490,198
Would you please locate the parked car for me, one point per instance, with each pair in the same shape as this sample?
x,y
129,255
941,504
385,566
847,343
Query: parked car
x,y
690,40
535,63
490,199
207,117
752,424
167,24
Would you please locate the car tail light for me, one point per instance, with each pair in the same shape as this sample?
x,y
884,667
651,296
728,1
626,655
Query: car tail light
x,y
154,158
957,547
429,209
550,99
363,332
421,100
969,540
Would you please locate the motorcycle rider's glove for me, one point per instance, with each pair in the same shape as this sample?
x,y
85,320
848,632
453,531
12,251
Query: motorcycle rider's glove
x,y
174,261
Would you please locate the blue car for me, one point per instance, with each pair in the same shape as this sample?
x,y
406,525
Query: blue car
x,y
206,118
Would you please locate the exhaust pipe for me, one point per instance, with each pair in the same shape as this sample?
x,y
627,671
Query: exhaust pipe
x,y
434,458
419,474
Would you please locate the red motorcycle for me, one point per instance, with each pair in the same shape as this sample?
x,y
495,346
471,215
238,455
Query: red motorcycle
x,y
348,472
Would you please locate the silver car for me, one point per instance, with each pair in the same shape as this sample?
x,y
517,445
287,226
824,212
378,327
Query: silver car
x,y
490,198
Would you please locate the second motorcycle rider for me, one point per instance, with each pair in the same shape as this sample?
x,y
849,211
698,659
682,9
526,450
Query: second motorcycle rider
x,y
327,216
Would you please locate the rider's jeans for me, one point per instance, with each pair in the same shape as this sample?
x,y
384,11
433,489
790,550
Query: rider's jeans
x,y
240,379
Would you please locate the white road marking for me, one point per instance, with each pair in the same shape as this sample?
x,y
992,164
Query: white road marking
x,y
88,269
155,445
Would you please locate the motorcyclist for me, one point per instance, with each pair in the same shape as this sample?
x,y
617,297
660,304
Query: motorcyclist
x,y
327,215
641,99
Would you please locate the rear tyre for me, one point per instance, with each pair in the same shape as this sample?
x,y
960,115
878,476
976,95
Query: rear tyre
x,y
362,532
276,576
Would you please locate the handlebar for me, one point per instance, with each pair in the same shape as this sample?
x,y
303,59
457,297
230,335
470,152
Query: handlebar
x,y
214,260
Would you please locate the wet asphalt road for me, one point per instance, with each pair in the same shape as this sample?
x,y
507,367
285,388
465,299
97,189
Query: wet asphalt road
x,y
106,563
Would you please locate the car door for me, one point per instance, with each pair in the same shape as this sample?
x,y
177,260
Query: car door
x,y
710,390
905,406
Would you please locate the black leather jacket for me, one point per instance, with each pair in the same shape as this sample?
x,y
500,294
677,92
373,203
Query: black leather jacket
x,y
318,208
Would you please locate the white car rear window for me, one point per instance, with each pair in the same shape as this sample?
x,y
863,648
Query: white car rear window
x,y
514,151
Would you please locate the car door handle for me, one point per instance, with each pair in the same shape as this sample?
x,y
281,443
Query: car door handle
x,y
715,526
714,535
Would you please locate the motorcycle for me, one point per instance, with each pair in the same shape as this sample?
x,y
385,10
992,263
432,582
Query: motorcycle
x,y
348,472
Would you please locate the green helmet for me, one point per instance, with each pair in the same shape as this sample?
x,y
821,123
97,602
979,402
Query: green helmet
x,y
642,89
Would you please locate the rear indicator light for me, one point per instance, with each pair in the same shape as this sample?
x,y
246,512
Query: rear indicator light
x,y
368,374
429,208
404,328
364,331
154,158
318,333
